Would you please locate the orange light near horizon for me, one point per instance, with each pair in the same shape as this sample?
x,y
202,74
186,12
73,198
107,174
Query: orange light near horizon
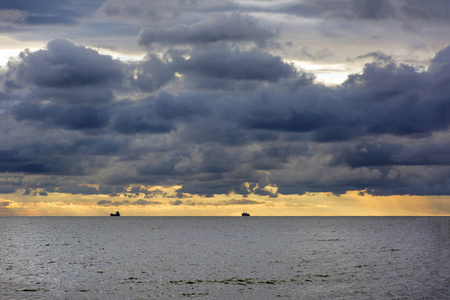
x,y
353,203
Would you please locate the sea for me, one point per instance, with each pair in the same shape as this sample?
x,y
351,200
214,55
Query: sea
x,y
224,257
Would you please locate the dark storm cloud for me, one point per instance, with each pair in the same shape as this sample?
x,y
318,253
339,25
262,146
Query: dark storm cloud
x,y
237,27
80,95
391,99
69,117
153,73
66,65
154,115
220,61
12,161
372,132
390,154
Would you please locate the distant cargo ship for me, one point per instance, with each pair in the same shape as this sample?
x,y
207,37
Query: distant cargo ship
x,y
244,214
117,214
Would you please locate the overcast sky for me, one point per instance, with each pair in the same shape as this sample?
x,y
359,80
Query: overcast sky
x,y
212,107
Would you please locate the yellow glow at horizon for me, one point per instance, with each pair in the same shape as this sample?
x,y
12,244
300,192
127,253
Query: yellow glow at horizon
x,y
310,204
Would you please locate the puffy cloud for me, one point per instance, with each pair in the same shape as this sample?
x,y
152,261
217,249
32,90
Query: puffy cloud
x,y
221,62
283,134
154,115
152,74
65,65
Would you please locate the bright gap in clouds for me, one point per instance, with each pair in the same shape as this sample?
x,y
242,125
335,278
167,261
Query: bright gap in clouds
x,y
120,56
328,74
7,54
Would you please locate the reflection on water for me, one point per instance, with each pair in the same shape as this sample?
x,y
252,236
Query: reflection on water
x,y
224,257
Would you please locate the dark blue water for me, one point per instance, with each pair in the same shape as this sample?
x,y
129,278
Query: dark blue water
x,y
224,257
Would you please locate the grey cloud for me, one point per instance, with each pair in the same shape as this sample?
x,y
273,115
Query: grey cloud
x,y
355,9
295,8
88,95
104,202
369,133
441,62
139,202
12,16
409,10
306,53
372,9
377,56
145,202
66,65
129,118
208,188
225,63
81,117
416,12
79,189
153,73
156,10
155,115
13,161
392,154
7,188
161,10
52,12
224,202
240,202
368,104
237,27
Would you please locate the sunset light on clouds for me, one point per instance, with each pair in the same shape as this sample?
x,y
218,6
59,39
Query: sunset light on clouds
x,y
211,108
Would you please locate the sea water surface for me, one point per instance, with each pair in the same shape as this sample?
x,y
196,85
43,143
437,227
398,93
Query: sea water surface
x,y
224,257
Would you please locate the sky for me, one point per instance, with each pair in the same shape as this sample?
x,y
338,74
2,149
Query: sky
x,y
212,108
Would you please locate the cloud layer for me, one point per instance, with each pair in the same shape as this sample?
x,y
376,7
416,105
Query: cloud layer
x,y
217,107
